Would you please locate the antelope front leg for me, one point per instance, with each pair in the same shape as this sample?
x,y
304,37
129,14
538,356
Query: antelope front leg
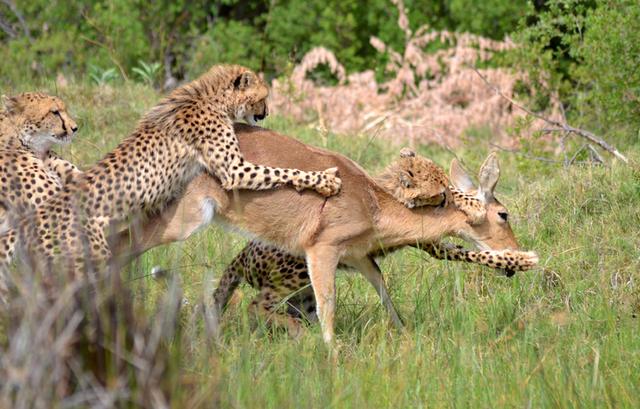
x,y
322,261
370,269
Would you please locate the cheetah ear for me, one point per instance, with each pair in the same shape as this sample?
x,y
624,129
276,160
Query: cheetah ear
x,y
459,178
11,104
405,180
407,153
489,175
244,81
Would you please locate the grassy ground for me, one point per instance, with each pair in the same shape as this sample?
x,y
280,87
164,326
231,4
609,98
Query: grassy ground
x,y
563,335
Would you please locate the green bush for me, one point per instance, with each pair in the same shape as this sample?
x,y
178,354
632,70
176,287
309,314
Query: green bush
x,y
228,42
188,36
609,71
590,52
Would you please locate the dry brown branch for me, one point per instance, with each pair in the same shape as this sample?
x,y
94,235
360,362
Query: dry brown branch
x,y
560,126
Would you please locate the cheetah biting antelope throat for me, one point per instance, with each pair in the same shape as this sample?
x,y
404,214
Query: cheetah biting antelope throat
x,y
350,228
189,131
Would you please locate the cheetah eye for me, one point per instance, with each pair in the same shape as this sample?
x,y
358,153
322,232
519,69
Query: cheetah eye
x,y
410,173
503,215
55,112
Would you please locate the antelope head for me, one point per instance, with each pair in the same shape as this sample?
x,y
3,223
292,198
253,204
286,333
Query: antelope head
x,y
493,231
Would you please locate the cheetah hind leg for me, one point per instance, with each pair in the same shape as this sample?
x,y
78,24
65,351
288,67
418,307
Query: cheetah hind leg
x,y
266,305
302,305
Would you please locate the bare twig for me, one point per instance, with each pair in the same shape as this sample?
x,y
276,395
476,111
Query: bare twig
x,y
595,156
6,27
561,126
526,155
107,45
23,24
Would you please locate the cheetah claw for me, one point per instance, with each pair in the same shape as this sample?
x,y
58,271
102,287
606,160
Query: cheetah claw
x,y
524,260
529,260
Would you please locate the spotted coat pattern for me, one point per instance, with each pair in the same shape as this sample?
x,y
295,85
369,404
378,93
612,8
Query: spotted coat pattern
x,y
188,131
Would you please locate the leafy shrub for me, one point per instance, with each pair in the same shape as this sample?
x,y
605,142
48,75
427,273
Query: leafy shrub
x,y
609,64
148,72
102,76
589,51
228,42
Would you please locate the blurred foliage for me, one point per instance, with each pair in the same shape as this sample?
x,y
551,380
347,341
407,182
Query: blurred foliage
x,y
188,36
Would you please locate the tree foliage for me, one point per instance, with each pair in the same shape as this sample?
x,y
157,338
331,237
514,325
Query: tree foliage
x,y
586,49
187,36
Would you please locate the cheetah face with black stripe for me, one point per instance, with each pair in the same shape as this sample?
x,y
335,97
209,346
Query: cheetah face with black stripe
x,y
251,94
44,120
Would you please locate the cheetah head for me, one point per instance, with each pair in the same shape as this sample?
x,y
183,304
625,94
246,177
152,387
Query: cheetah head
x,y
43,120
251,97
420,181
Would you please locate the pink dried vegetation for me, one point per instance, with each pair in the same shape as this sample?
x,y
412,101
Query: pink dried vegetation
x,y
431,96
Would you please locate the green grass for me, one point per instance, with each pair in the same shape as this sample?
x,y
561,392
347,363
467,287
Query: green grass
x,y
564,335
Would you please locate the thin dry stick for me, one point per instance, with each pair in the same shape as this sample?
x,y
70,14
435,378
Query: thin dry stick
x,y
515,151
560,127
23,24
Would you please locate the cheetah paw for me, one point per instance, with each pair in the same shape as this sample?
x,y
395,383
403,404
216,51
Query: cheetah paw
x,y
331,183
527,260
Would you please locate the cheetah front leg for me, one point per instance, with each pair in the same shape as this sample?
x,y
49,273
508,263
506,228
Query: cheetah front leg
x,y
469,205
65,170
223,159
510,260
7,248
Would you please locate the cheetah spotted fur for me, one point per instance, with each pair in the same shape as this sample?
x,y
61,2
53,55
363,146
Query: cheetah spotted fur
x,y
188,131
30,173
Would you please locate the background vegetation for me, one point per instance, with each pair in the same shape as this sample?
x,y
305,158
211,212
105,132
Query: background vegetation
x,y
564,335
586,48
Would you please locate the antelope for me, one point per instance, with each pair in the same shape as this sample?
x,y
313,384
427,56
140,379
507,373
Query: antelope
x,y
349,229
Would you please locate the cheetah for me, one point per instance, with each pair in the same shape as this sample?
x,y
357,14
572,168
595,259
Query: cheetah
x,y
189,131
283,280
30,172
416,181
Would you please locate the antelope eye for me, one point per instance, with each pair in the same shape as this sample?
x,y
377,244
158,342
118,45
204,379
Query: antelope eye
x,y
503,215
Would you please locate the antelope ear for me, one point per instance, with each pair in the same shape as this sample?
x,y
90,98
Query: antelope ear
x,y
405,180
244,81
459,178
11,104
407,153
489,175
